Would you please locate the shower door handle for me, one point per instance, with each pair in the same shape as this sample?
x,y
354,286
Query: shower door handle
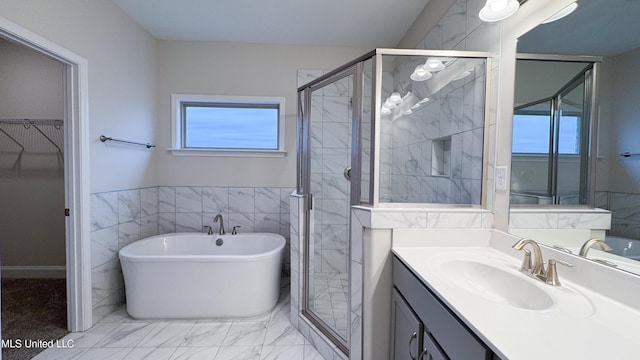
x,y
347,173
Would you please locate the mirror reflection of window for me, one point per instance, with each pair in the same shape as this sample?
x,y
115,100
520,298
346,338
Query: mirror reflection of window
x,y
551,127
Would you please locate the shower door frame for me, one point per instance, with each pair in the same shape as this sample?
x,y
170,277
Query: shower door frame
x,y
355,69
591,98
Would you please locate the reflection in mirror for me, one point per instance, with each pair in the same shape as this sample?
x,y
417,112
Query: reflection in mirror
x,y
551,127
607,29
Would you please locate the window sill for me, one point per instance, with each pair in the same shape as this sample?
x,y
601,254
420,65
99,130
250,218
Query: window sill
x,y
229,153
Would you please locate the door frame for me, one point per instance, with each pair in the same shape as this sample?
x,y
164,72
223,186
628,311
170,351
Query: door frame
x,y
76,171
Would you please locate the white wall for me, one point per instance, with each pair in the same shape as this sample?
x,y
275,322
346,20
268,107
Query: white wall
x,y
221,68
31,217
537,80
122,70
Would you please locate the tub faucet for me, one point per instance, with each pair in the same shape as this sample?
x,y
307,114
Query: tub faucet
x,y
215,220
591,243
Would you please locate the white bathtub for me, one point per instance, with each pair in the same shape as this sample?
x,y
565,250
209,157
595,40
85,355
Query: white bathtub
x,y
629,248
186,275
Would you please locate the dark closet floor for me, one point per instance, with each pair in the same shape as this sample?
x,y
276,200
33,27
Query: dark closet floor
x,y
32,310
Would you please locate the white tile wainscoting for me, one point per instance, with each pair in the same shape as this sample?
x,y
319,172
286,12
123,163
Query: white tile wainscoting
x,y
119,218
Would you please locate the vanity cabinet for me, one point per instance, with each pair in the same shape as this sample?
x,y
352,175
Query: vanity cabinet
x,y
423,328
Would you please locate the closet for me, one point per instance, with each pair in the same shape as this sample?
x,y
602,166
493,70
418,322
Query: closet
x,y
32,195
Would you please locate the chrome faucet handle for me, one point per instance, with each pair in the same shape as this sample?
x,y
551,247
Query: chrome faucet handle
x,y
209,229
561,248
605,262
552,272
234,231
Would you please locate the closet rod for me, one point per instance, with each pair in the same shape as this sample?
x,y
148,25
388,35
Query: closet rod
x,y
105,138
28,122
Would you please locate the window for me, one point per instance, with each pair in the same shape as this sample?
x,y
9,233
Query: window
x,y
531,134
227,125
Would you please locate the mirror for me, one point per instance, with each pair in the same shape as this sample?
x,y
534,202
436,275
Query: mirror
x,y
551,139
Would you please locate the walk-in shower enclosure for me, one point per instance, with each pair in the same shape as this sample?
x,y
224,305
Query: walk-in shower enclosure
x,y
390,128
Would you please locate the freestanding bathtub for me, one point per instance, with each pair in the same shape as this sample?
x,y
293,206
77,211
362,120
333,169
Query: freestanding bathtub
x,y
191,275
629,248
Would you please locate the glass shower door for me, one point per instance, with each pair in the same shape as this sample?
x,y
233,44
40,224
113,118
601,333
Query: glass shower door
x,y
330,146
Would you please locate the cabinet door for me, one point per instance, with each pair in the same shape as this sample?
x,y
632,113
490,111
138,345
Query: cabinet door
x,y
406,330
430,349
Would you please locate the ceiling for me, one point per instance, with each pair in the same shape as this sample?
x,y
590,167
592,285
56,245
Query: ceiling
x,y
597,27
357,23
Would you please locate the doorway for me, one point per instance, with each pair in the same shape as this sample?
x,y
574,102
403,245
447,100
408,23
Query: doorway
x,y
32,189
75,169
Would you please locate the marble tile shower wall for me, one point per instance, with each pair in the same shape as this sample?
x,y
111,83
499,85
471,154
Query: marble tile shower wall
x,y
454,113
119,218
625,212
330,155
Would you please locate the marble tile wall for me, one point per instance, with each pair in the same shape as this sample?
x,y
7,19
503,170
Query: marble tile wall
x,y
119,218
455,113
625,213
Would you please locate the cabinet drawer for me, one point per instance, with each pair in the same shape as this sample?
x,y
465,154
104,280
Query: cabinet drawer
x,y
455,339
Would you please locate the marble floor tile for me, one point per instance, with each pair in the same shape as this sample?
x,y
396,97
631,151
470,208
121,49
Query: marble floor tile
x,y
195,353
151,354
239,353
206,334
119,337
167,334
126,335
294,352
246,334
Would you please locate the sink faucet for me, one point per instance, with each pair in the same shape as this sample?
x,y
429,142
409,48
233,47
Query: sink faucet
x,y
538,265
591,243
215,220
548,275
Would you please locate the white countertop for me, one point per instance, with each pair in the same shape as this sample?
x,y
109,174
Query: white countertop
x,y
586,326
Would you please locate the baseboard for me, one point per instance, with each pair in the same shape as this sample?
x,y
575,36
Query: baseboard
x,y
33,272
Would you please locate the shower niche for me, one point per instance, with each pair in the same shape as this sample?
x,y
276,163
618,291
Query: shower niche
x,y
391,128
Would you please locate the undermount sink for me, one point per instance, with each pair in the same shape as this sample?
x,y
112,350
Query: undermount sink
x,y
497,285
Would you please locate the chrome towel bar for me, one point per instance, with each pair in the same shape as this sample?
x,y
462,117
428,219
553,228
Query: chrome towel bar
x,y
105,138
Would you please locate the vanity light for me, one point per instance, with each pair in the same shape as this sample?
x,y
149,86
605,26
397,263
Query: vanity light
x,y
390,104
395,98
562,13
496,10
434,64
420,74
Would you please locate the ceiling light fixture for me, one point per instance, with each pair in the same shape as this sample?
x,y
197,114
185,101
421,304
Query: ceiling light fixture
x,y
562,13
496,10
